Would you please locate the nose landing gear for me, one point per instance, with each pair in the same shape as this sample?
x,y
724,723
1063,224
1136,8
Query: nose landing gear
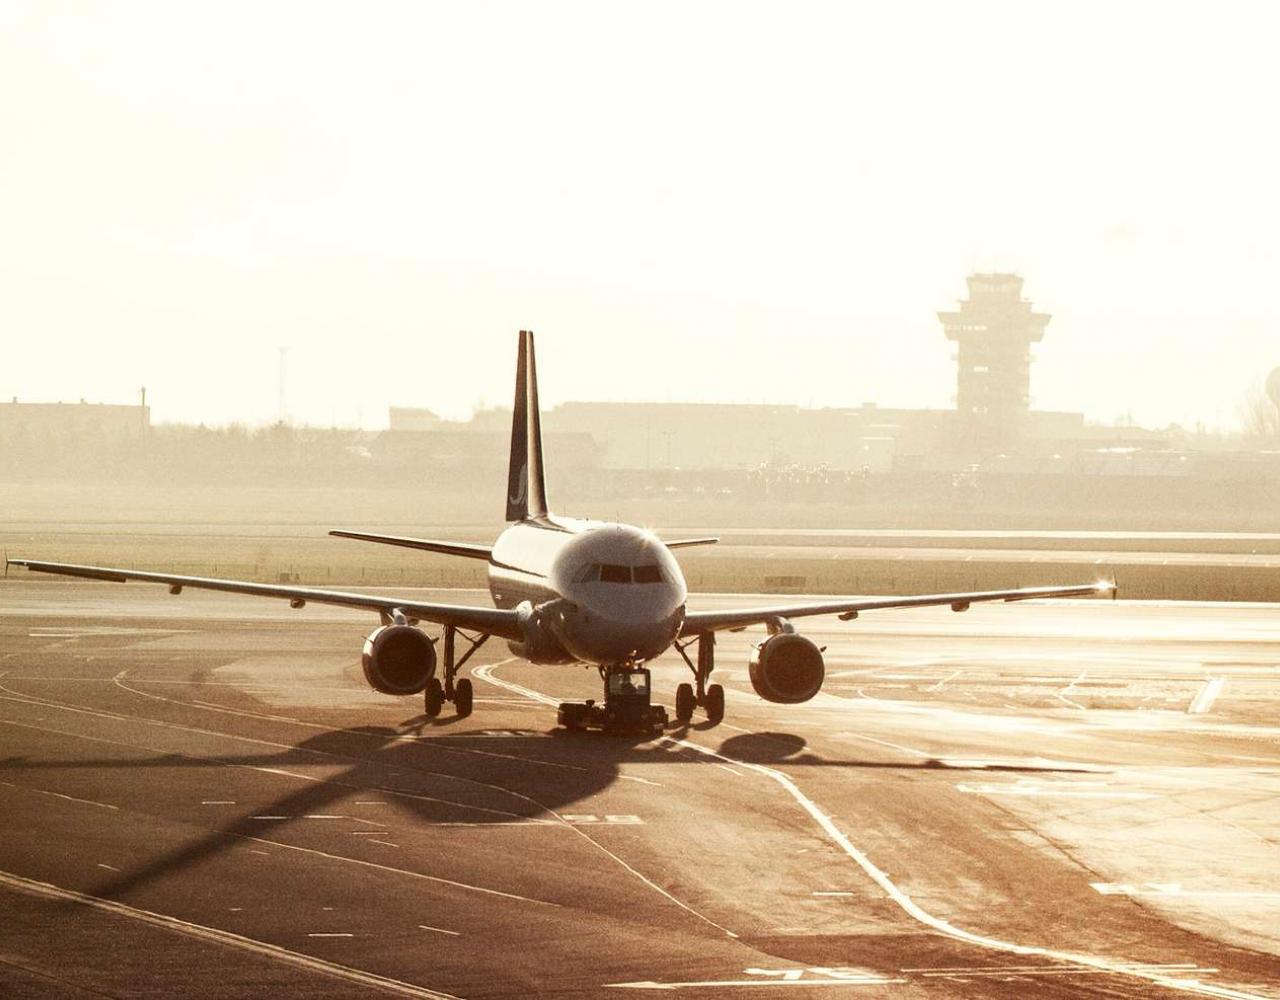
x,y
626,707
709,696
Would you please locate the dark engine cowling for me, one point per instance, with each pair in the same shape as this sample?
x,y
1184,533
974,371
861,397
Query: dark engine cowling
x,y
786,668
398,659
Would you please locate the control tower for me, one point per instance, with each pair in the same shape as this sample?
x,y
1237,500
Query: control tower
x,y
995,329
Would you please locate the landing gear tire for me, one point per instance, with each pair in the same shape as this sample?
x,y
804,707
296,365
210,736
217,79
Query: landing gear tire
x,y
462,695
715,703
684,702
432,698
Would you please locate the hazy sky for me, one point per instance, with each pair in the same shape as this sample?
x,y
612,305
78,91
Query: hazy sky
x,y
687,201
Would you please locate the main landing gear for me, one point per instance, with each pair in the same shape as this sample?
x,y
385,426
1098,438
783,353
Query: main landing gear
x,y
458,692
709,697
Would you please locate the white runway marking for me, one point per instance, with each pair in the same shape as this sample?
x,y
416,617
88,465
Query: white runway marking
x,y
434,742
108,867
441,930
59,795
330,934
886,743
587,819
1019,971
225,938
908,905
1176,889
1052,789
486,673
942,683
1203,701
274,843
114,716
816,976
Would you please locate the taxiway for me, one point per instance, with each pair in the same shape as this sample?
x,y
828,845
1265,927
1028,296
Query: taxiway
x,y
198,795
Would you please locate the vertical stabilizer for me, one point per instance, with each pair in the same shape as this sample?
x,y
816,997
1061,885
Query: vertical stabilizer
x,y
526,490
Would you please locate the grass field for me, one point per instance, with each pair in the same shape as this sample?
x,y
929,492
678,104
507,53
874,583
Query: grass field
x,y
279,535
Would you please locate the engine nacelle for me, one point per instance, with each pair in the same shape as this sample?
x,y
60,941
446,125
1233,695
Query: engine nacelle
x,y
540,643
787,668
398,659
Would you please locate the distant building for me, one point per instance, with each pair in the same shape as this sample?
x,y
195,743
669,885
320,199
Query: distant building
x,y
994,329
658,436
83,422
412,418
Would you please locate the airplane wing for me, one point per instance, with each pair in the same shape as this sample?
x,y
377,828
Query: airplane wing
x,y
698,622
684,543
493,621
465,549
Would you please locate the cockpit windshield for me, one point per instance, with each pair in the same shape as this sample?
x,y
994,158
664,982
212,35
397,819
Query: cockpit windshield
x,y
610,573
615,573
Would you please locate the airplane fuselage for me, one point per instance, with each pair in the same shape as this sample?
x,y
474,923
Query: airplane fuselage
x,y
594,591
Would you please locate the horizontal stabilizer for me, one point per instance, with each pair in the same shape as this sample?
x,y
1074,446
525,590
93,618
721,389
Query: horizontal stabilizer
x,y
464,549
684,543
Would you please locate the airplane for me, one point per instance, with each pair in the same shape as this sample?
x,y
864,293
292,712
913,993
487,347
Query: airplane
x,y
567,590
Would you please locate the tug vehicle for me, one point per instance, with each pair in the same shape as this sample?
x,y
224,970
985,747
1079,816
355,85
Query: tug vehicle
x,y
626,707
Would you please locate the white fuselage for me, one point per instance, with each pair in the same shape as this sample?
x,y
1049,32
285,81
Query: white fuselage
x,y
597,592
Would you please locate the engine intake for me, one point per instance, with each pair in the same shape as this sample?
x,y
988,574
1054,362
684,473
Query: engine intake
x,y
398,659
786,668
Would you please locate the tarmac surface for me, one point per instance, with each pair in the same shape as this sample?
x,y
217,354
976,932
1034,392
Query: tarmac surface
x,y
199,796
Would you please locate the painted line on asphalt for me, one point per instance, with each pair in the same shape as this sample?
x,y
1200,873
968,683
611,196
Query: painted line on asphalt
x,y
440,930
869,980
886,743
913,909
1054,790
59,795
1175,890
225,938
1203,701
485,673
116,717
907,904
313,851
942,683
433,742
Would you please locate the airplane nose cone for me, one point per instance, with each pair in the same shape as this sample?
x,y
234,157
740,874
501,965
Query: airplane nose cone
x,y
603,634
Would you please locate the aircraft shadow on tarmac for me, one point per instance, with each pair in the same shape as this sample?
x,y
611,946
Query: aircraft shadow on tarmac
x,y
450,781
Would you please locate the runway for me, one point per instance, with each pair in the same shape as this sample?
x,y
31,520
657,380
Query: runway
x,y
199,796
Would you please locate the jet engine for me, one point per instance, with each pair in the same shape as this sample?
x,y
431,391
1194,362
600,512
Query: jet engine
x,y
786,668
398,659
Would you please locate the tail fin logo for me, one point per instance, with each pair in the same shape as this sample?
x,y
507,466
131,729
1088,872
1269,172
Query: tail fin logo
x,y
521,484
